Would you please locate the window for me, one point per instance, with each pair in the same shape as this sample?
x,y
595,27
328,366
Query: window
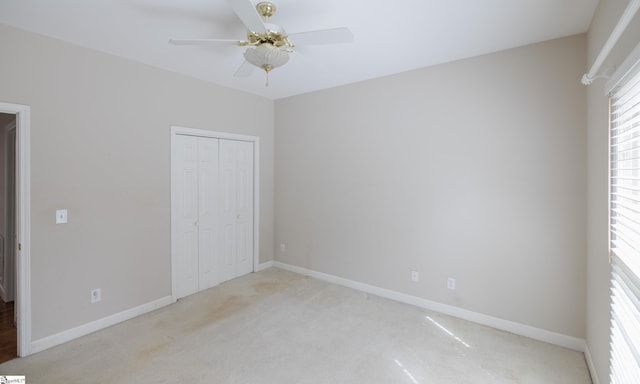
x,y
625,232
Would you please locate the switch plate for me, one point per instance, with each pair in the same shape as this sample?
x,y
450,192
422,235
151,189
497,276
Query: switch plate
x,y
451,283
61,216
415,276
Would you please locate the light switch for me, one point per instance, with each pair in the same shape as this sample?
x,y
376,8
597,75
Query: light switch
x,y
61,216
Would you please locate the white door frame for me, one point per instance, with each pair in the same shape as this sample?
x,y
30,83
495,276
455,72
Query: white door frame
x,y
23,226
177,130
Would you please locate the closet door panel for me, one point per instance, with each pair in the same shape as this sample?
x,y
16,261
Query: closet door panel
x,y
208,231
187,214
228,209
244,207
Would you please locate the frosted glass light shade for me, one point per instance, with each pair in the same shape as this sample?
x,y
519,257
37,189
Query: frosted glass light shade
x,y
266,56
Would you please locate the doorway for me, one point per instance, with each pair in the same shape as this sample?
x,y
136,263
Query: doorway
x,y
214,208
8,330
16,245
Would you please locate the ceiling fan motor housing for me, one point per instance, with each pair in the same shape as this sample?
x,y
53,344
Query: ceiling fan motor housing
x,y
274,36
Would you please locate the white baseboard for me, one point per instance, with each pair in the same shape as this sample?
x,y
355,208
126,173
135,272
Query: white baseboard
x,y
494,322
592,367
85,329
265,265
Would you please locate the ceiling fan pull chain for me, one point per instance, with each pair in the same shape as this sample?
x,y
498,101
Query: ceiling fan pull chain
x,y
267,84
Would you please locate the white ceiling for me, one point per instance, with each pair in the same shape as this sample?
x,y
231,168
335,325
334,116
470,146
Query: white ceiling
x,y
390,36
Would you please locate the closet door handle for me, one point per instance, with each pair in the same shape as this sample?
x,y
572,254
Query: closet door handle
x,y
195,223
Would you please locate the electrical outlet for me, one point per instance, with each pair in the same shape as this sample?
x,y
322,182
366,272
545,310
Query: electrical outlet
x,y
283,248
96,295
415,276
451,283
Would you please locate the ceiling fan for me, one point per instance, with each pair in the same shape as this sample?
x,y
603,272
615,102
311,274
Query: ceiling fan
x,y
269,44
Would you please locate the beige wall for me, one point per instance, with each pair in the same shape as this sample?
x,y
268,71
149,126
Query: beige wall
x,y
101,148
473,170
597,336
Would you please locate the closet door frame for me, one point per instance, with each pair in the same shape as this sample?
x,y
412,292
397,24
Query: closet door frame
x,y
177,130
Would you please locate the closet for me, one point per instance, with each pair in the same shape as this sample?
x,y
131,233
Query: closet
x,y
213,211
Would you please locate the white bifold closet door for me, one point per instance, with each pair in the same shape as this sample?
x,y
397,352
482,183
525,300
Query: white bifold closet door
x,y
236,196
214,211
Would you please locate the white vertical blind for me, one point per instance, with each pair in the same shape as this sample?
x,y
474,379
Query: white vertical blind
x,y
625,232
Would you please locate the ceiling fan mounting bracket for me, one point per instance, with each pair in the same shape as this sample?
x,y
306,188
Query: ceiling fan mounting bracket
x,y
266,9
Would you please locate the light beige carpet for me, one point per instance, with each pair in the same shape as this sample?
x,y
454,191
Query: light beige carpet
x,y
279,327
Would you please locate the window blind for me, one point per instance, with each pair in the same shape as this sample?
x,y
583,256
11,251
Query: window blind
x,y
625,232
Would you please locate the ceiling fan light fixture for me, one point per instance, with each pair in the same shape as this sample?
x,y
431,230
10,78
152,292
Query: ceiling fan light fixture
x,y
267,57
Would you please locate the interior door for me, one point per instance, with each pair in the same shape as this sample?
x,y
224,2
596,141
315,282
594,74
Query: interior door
x,y
244,207
186,214
236,216
9,262
207,212
228,197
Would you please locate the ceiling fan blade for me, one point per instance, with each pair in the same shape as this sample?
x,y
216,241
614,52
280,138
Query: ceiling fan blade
x,y
325,36
249,15
245,69
204,42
